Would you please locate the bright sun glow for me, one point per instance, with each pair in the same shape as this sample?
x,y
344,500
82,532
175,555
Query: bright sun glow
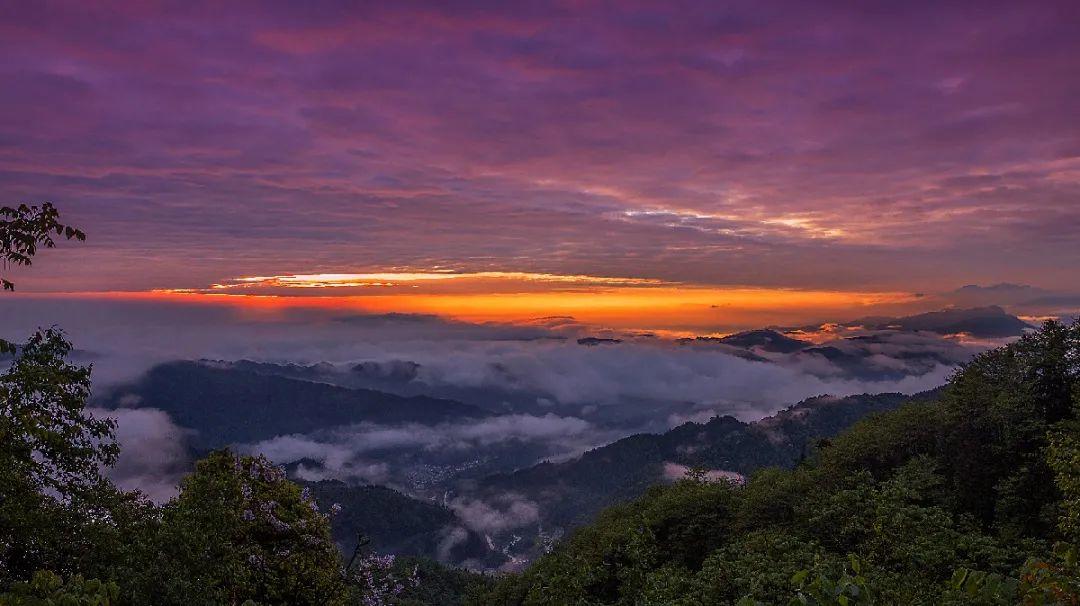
x,y
628,303
351,280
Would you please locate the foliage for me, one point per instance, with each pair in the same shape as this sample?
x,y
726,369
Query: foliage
x,y
372,578
22,230
851,589
239,530
977,587
436,585
1055,579
48,589
45,435
1065,461
54,501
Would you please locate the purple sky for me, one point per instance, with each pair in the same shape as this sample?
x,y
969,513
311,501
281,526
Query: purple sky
x,y
901,146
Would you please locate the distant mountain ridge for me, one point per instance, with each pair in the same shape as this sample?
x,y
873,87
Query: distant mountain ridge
x,y
767,340
986,322
745,344
226,404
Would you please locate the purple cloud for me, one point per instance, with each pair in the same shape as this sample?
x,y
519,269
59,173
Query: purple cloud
x,y
782,144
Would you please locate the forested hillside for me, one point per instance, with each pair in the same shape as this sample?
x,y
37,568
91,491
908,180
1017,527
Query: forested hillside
x,y
970,499
571,493
394,523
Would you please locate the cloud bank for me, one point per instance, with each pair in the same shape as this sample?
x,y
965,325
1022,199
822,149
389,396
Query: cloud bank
x,y
551,396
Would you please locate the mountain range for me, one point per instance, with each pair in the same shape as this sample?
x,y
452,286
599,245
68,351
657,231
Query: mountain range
x,y
225,404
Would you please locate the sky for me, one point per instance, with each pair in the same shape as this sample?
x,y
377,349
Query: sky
x,y
679,165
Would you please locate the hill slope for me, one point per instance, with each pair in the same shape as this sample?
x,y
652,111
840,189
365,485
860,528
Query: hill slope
x,y
573,492
395,523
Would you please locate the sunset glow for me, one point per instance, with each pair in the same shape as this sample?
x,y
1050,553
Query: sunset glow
x,y
676,310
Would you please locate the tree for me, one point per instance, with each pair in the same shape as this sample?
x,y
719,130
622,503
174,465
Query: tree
x,y
46,437
53,500
239,530
22,230
52,494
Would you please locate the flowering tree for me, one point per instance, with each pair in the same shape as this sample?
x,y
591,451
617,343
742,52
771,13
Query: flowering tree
x,y
371,576
240,530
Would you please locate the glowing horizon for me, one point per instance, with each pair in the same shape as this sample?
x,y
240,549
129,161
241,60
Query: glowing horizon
x,y
661,308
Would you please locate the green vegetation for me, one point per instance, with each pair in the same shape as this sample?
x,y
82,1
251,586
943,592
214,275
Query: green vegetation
x,y
238,530
48,589
972,499
436,585
572,493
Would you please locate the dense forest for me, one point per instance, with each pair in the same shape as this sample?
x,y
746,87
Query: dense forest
x,y
970,495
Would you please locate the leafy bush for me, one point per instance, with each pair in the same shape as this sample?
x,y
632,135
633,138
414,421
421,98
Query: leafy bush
x,y
48,589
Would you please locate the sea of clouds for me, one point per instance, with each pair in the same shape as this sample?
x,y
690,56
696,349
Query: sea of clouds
x,y
587,389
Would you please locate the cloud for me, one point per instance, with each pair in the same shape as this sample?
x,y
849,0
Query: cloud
x,y
674,472
533,362
572,374
455,535
1020,298
514,280
553,397
367,437
497,514
368,451
125,337
153,452
371,472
